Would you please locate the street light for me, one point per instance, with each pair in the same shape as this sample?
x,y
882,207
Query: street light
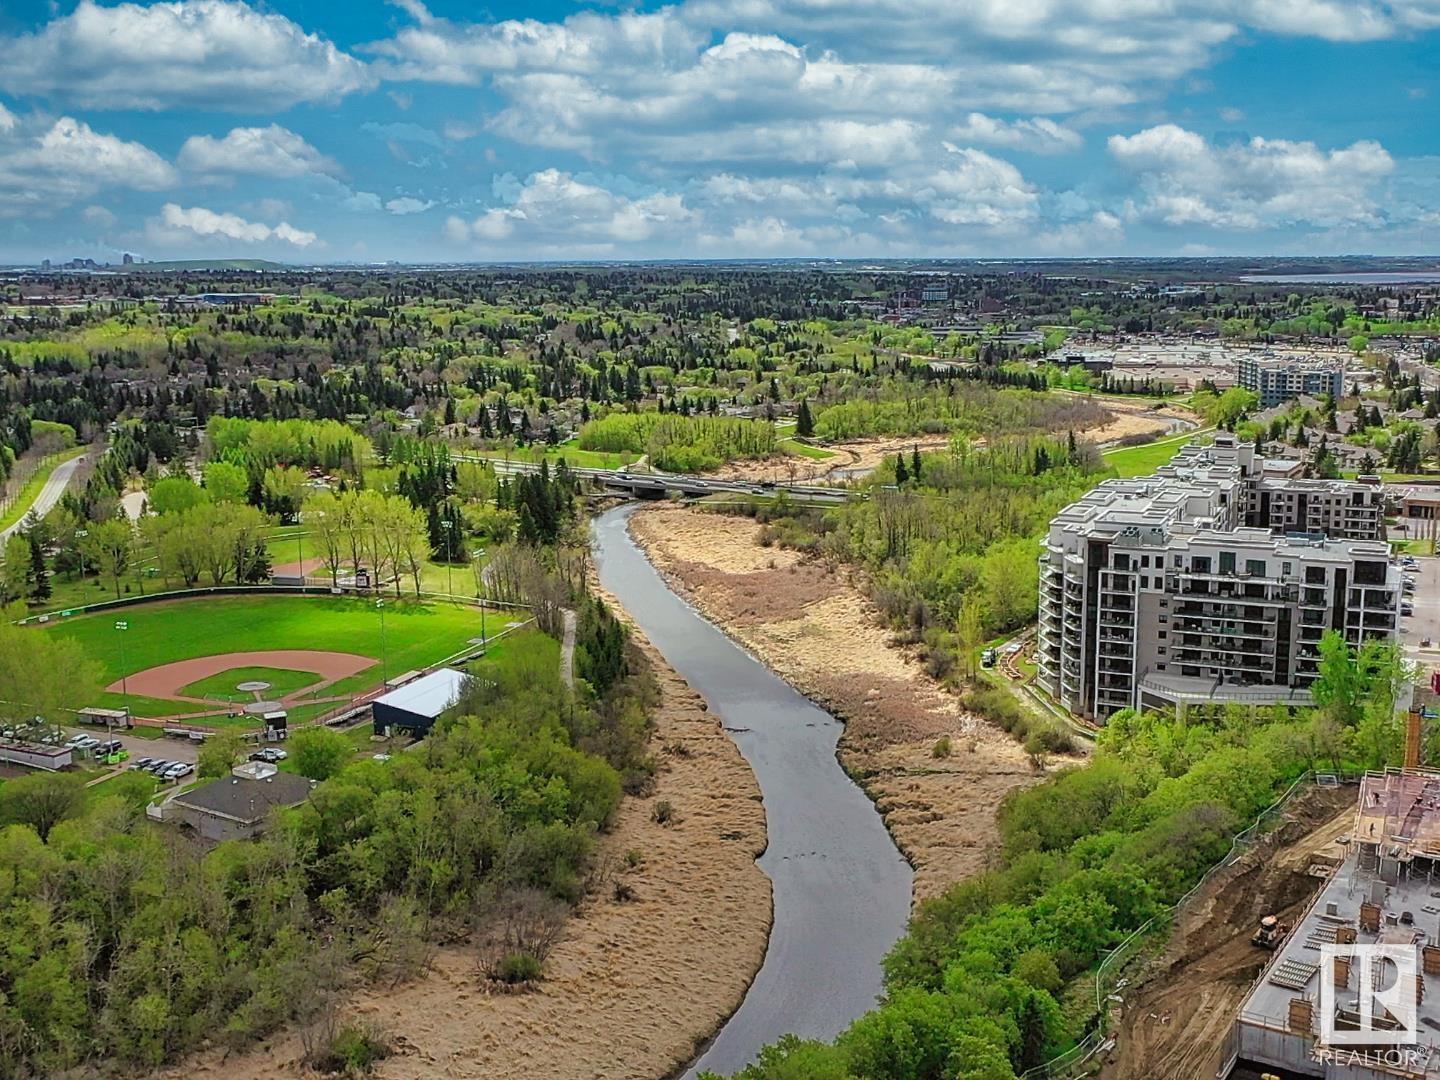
x,y
121,626
476,556
380,607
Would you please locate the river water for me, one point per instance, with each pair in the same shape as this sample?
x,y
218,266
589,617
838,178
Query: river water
x,y
842,889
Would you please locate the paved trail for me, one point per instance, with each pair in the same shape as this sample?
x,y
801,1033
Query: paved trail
x,y
567,650
49,494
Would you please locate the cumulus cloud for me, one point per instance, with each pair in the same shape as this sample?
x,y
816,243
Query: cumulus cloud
x,y
405,204
221,54
43,169
555,207
180,224
1039,134
1262,183
267,151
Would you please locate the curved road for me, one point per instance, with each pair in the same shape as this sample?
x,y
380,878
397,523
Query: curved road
x,y
842,890
49,495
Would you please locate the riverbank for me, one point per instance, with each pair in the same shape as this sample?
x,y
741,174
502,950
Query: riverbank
x,y
635,986
815,629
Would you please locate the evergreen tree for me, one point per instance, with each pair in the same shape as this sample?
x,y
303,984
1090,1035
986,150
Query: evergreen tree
x,y
38,578
804,422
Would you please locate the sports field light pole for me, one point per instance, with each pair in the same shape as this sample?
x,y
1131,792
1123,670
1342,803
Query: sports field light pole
x,y
380,607
447,524
477,555
121,626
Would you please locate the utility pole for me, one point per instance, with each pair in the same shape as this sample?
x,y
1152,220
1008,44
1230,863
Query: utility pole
x,y
447,524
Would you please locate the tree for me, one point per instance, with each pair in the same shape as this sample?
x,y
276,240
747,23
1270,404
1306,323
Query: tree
x,y
319,752
804,422
107,546
43,673
39,576
15,575
219,753
174,494
226,482
41,800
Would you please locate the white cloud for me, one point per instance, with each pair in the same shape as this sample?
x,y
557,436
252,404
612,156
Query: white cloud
x,y
100,217
7,120
46,169
407,205
1259,184
1038,134
553,207
180,224
267,151
221,54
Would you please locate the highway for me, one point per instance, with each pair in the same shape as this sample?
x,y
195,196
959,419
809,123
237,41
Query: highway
x,y
49,495
640,483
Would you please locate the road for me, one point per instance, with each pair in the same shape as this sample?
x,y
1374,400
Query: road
x,y
638,483
49,494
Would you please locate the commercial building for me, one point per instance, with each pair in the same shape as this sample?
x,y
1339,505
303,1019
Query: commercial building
x,y
1212,580
1279,379
238,806
1304,1015
416,706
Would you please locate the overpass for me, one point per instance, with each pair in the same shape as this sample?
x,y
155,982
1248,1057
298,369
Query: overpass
x,y
658,485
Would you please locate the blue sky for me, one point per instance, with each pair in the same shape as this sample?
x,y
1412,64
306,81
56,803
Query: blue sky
x,y
311,131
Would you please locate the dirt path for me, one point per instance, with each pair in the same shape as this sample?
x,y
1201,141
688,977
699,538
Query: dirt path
x,y
635,986
816,630
1174,1023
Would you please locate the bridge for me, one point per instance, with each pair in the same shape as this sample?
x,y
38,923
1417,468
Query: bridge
x,y
658,485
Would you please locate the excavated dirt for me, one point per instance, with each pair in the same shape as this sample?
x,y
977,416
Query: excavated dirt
x,y
1175,1017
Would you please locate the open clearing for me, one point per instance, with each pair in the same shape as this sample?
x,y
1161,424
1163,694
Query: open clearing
x,y
338,639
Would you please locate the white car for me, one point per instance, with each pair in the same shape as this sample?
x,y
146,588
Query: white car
x,y
179,769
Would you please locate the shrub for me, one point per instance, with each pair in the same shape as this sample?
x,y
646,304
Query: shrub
x,y
664,813
517,968
352,1051
941,749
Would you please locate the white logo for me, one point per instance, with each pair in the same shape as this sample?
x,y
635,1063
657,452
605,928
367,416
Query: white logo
x,y
1377,1005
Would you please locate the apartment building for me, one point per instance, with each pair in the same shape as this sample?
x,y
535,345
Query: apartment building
x,y
1206,582
1278,379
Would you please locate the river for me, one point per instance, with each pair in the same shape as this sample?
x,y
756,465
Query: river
x,y
842,889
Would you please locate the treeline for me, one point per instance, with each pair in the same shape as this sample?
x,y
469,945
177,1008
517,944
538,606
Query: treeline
x,y
123,945
678,443
958,406
991,980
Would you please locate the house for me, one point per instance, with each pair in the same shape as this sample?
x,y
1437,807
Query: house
x,y
236,807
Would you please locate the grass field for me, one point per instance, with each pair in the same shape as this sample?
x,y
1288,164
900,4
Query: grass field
x,y
283,682
415,636
1143,460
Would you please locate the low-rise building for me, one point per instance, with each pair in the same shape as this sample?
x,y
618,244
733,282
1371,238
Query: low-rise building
x,y
238,806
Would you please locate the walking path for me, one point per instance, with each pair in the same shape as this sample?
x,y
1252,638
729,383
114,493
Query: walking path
x,y
50,493
567,650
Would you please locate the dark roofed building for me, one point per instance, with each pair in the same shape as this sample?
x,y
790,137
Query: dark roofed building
x,y
236,807
416,706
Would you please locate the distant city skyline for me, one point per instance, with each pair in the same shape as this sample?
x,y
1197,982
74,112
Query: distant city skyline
x,y
305,131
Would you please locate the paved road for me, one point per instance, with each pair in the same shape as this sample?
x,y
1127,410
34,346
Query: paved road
x,y
49,494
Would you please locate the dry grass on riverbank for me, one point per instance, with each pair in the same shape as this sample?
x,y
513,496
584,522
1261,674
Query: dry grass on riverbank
x,y
635,985
815,629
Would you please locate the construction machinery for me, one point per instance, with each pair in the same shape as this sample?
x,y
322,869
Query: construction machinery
x,y
1270,932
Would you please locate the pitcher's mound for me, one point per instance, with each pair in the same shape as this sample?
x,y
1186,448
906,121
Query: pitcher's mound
x,y
167,680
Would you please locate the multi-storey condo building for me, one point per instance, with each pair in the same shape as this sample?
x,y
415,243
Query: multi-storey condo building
x,y
1278,379
1212,580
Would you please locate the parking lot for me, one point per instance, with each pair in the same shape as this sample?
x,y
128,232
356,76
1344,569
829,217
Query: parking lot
x,y
1425,622
167,748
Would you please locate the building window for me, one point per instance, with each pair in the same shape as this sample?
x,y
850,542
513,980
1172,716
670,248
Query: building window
x,y
1227,562
1255,567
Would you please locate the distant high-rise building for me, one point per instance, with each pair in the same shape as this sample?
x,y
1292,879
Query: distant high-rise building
x,y
1278,379
127,259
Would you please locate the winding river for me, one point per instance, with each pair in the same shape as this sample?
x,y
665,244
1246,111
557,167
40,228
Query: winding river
x,y
842,889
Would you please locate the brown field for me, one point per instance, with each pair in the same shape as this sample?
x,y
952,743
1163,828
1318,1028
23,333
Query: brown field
x,y
635,987
815,628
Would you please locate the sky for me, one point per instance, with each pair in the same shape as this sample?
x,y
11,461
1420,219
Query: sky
x,y
313,131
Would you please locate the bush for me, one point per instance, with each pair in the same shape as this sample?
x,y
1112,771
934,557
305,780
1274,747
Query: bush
x,y
517,968
941,749
353,1051
664,813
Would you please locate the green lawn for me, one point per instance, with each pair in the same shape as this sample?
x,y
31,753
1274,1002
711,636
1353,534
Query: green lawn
x,y
814,453
1143,460
283,682
415,635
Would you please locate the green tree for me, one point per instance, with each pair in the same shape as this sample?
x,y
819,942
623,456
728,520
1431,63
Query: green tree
x,y
107,545
41,800
219,753
226,482
319,752
174,494
804,422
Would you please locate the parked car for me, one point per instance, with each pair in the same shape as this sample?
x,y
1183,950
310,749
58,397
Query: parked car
x,y
271,754
158,766
179,769
1407,608
74,740
143,763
